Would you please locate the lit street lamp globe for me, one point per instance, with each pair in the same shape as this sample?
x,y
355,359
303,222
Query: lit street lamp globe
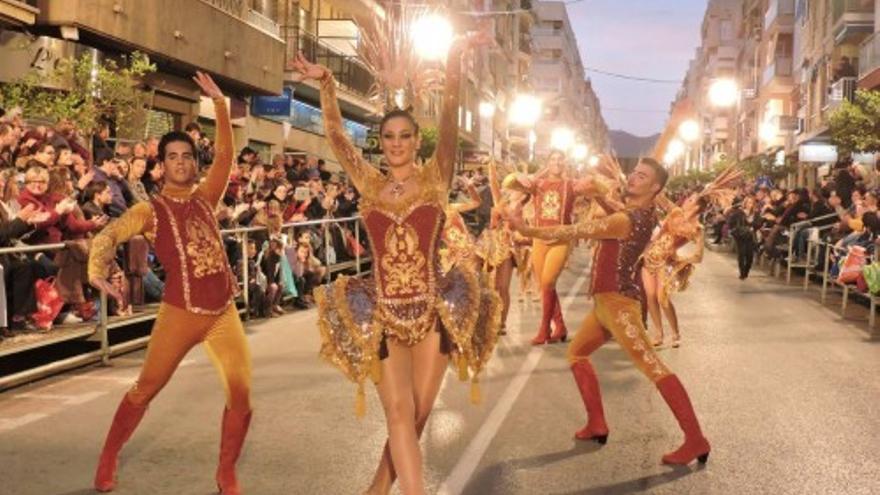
x,y
675,149
562,138
594,160
768,132
487,109
689,130
580,152
432,36
525,110
723,93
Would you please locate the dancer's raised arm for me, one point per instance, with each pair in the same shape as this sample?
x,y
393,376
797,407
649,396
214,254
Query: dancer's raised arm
x,y
354,164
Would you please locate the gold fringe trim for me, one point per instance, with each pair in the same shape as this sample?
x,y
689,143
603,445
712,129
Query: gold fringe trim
x,y
476,396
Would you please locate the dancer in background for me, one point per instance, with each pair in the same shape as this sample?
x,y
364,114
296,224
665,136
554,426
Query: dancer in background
x,y
623,237
664,271
197,304
401,328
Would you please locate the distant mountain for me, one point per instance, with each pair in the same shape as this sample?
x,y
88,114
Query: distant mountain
x,y
627,145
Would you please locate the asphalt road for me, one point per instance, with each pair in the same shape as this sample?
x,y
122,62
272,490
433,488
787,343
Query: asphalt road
x,y
786,390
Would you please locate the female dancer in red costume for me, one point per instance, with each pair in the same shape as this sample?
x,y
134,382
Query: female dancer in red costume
x,y
553,194
400,328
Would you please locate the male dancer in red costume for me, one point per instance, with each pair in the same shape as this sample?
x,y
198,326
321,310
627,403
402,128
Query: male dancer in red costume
x,y
623,236
197,306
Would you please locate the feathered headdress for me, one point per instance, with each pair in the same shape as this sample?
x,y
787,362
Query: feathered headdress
x,y
403,80
722,190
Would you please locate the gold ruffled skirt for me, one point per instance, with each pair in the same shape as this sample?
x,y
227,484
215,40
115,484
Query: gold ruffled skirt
x,y
353,325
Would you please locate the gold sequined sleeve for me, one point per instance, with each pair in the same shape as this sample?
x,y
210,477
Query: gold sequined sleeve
x,y
218,176
137,220
447,128
616,226
348,155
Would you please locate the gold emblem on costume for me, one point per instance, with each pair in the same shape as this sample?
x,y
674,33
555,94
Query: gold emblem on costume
x,y
404,263
203,248
551,205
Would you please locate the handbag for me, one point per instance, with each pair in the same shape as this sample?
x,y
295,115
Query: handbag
x,y
49,303
354,247
851,266
872,277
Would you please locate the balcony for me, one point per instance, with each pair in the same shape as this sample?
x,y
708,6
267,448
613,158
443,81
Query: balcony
x,y
777,76
869,63
852,20
779,17
349,73
18,13
220,36
842,90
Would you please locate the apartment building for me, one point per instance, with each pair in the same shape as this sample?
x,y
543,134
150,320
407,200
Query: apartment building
x,y
557,75
796,62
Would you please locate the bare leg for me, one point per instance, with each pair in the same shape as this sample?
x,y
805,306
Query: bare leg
x,y
395,392
672,318
503,275
429,366
649,280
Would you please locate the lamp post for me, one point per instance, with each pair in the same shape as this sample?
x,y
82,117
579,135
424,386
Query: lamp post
x,y
487,111
689,132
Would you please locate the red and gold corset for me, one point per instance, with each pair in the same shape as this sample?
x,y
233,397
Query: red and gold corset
x,y
405,250
189,246
554,202
616,262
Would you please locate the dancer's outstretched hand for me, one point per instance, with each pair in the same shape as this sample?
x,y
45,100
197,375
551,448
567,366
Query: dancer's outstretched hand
x,y
306,69
208,86
105,286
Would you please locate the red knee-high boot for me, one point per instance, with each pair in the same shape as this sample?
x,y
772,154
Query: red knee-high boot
x,y
596,428
128,416
235,428
695,444
548,301
560,333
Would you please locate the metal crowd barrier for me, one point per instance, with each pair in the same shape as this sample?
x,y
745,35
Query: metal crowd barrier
x,y
792,234
100,331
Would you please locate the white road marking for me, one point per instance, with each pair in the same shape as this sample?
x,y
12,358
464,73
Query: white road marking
x,y
470,459
11,424
67,399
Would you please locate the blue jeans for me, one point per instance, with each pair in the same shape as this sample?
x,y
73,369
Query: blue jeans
x,y
153,287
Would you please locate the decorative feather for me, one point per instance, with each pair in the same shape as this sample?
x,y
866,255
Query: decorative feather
x,y
402,78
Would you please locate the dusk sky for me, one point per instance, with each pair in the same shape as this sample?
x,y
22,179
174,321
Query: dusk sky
x,y
645,38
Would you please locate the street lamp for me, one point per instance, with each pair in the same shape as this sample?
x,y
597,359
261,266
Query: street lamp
x,y
689,130
562,139
594,160
675,149
525,110
580,152
768,132
487,111
723,93
432,36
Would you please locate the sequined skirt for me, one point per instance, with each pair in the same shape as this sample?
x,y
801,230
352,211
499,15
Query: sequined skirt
x,y
354,322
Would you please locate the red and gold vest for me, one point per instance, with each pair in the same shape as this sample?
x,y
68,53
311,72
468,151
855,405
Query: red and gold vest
x,y
189,246
554,202
617,262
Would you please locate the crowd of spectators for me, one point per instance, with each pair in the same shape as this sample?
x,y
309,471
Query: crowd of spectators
x,y
60,186
841,210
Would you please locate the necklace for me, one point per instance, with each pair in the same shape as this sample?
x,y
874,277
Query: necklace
x,y
397,187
